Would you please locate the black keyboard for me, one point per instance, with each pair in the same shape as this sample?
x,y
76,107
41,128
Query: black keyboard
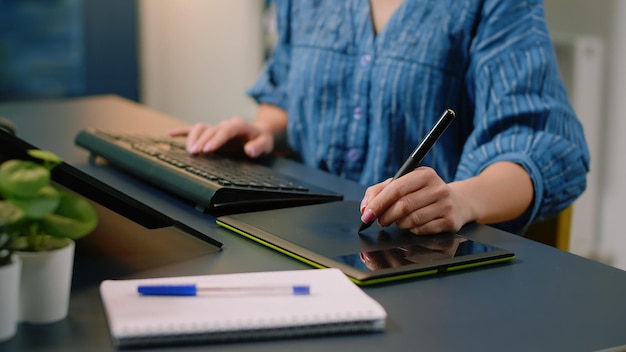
x,y
213,183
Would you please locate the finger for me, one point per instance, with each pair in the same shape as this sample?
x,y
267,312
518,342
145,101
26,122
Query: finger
x,y
262,144
210,139
227,131
197,136
394,192
419,189
371,192
179,132
372,261
415,209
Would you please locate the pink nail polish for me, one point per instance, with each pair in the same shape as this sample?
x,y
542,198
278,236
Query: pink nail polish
x,y
253,152
363,204
368,216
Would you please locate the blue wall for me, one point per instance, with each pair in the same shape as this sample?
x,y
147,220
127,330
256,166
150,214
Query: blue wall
x,y
68,48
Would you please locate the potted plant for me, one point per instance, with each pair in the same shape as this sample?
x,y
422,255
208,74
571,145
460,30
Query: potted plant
x,y
10,265
42,222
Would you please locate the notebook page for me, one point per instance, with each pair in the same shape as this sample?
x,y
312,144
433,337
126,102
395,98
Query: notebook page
x,y
333,299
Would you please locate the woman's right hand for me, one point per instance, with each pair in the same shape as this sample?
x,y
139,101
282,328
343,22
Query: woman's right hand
x,y
234,133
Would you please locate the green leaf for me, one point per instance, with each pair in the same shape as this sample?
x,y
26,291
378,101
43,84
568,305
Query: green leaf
x,y
10,214
74,218
49,158
41,204
20,178
44,243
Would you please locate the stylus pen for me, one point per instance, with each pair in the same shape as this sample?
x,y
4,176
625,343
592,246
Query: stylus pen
x,y
213,289
420,151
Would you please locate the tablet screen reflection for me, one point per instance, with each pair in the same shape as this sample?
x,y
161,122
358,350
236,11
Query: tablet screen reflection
x,y
428,250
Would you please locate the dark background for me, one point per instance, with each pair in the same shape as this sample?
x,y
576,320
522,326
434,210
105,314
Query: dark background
x,y
68,48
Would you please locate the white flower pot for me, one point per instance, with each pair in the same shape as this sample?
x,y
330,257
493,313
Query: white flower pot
x,y
45,284
9,298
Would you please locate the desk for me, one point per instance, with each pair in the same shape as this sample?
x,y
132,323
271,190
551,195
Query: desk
x,y
545,299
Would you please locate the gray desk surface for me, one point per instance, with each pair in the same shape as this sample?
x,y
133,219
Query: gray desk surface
x,y
544,300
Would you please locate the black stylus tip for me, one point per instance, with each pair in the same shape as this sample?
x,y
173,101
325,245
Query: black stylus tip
x,y
364,226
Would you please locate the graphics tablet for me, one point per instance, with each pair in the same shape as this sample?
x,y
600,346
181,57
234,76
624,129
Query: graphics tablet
x,y
325,235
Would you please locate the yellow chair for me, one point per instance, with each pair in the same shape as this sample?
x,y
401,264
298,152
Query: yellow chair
x,y
554,232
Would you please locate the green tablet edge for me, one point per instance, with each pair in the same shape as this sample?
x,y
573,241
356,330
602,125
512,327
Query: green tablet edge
x,y
319,266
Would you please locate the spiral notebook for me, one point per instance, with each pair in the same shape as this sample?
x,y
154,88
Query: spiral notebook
x,y
335,305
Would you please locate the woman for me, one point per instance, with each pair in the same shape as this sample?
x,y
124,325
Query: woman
x,y
354,85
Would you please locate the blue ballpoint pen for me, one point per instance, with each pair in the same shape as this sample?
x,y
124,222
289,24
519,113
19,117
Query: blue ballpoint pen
x,y
206,289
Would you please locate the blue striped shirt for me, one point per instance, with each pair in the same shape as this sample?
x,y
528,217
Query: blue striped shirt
x,y
359,102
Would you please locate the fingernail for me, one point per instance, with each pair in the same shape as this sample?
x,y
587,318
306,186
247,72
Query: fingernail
x,y
368,216
253,152
193,149
208,148
363,204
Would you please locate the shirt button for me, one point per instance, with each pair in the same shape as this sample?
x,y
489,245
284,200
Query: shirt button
x,y
354,154
365,60
358,113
